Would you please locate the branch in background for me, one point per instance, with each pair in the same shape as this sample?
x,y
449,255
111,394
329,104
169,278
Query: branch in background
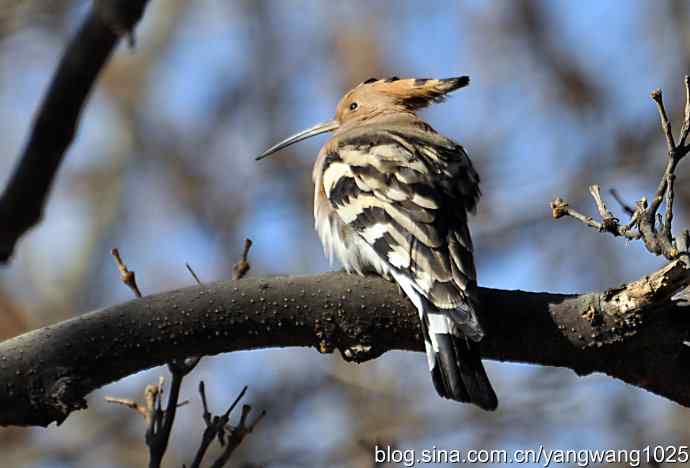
x,y
634,332
217,427
608,223
646,222
624,206
158,433
236,435
158,421
152,396
56,122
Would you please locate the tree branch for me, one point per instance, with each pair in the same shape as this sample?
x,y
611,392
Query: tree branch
x,y
646,222
633,332
55,124
230,437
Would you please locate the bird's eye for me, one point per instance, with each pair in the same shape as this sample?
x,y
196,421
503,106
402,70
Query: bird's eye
x,y
354,106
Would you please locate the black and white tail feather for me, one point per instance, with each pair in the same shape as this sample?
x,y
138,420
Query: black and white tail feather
x,y
451,340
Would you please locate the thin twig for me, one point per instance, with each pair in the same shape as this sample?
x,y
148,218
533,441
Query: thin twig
x,y
624,206
668,215
127,277
237,435
640,207
128,403
560,208
196,278
159,435
209,433
646,222
216,427
657,96
609,222
675,152
685,129
152,395
240,269
158,421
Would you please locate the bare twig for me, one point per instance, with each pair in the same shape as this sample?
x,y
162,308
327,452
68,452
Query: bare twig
x,y
675,152
127,277
152,394
609,222
141,409
646,223
158,421
240,269
213,425
236,435
193,273
56,122
560,208
158,435
668,214
657,96
217,427
624,206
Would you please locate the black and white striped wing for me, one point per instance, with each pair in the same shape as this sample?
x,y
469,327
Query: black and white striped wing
x,y
407,195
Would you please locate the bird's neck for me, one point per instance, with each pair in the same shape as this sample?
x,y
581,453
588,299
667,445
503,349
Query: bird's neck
x,y
385,119
382,118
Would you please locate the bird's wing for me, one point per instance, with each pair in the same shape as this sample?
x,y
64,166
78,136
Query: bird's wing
x,y
407,194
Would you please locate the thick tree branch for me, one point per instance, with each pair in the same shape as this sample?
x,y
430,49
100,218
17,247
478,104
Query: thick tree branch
x,y
55,124
634,333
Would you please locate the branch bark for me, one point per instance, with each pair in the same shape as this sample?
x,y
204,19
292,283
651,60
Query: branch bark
x,y
55,124
634,333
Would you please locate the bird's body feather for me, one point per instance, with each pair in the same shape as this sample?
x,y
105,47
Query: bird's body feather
x,y
405,195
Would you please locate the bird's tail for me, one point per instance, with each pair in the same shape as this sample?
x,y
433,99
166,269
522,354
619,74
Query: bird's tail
x,y
451,338
454,361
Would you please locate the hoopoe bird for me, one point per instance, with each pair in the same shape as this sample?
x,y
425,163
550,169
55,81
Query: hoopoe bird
x,y
392,197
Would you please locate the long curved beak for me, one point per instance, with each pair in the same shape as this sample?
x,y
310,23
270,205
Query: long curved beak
x,y
303,135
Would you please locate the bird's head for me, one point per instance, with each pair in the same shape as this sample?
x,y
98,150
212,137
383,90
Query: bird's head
x,y
373,98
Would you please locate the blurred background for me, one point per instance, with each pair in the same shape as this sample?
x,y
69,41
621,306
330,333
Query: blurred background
x,y
163,168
